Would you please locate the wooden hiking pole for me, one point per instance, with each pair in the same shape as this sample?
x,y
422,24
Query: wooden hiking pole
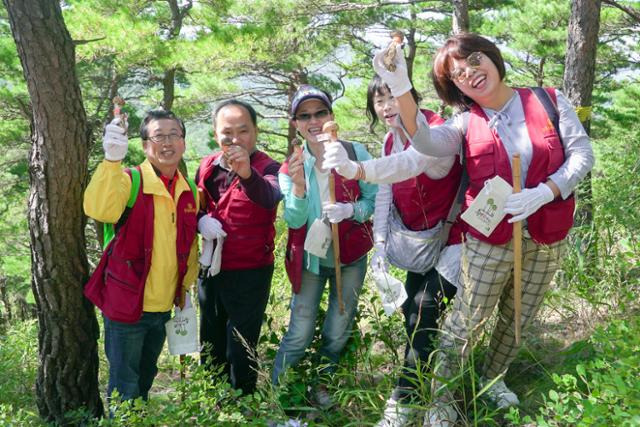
x,y
331,128
517,252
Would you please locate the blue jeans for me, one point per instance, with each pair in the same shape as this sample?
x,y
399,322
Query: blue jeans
x,y
304,310
133,350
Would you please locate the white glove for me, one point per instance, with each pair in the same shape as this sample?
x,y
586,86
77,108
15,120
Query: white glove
x,y
528,201
210,228
336,157
379,258
336,212
398,80
114,141
207,253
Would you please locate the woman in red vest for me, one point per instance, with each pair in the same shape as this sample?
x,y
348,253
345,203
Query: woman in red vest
x,y
422,202
307,208
496,122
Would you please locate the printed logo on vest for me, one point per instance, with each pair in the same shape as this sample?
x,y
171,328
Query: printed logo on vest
x,y
190,209
548,128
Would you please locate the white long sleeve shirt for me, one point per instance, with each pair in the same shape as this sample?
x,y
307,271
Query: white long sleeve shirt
x,y
398,166
509,122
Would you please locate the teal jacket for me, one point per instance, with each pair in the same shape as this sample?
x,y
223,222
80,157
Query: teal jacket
x,y
299,211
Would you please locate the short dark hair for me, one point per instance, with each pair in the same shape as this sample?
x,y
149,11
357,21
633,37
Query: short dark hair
x,y
461,46
159,115
378,87
237,102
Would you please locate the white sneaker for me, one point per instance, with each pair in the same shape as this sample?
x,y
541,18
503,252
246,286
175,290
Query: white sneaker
x,y
499,394
440,415
322,397
395,415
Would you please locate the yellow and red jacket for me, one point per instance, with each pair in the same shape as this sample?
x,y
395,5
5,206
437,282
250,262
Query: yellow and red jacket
x,y
171,225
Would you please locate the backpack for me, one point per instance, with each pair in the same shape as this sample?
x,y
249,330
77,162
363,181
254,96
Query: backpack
x,y
547,98
109,230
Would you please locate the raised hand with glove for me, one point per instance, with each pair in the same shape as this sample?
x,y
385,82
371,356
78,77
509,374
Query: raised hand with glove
x,y
398,80
210,228
521,205
337,212
336,157
114,141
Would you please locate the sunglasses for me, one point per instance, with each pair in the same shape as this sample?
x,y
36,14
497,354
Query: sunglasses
x,y
305,117
473,61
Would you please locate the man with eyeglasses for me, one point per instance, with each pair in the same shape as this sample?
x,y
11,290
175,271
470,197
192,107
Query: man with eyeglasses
x,y
153,255
305,185
241,192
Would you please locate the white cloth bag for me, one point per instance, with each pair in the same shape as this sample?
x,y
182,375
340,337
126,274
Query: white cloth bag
x,y
182,331
391,290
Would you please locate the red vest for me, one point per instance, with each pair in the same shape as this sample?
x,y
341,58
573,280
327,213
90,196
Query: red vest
x,y
486,157
250,227
356,238
422,202
117,285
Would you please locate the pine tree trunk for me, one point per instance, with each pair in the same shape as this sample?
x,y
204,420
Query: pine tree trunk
x,y
411,46
460,16
579,74
68,330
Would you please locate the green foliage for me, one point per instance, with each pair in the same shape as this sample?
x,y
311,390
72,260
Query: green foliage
x,y
602,391
534,35
18,365
612,279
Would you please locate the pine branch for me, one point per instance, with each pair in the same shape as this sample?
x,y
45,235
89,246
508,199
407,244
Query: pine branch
x,y
632,12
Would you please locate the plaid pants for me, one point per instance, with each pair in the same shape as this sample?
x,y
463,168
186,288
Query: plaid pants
x,y
486,281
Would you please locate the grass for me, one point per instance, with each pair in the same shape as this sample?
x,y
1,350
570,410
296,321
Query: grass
x,y
362,384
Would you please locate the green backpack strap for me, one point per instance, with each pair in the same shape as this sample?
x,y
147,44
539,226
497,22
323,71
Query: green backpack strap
x,y
194,188
109,230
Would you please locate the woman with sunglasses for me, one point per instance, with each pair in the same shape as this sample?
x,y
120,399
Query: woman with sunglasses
x,y
308,210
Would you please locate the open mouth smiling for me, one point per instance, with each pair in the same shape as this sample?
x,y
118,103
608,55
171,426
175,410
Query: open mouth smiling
x,y
478,80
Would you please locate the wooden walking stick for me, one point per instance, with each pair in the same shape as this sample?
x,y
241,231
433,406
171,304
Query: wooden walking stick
x,y
331,128
517,252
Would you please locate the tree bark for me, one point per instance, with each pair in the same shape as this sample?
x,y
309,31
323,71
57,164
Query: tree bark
x,y
579,73
412,48
178,13
68,331
168,88
298,78
460,16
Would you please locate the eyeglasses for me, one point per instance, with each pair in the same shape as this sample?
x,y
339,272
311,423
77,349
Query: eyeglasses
x,y
305,117
473,61
159,139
